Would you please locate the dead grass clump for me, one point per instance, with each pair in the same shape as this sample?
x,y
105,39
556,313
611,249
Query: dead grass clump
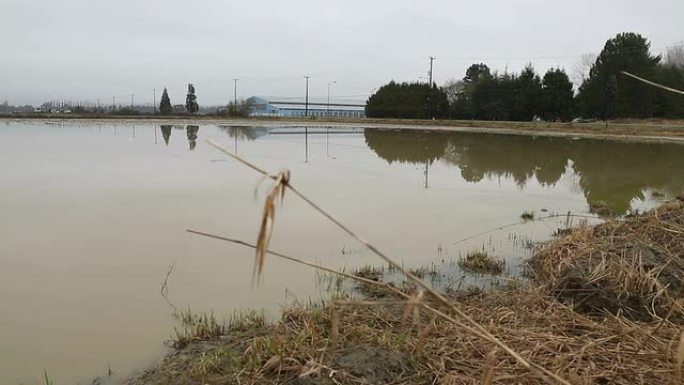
x,y
350,342
632,267
481,262
195,327
527,216
561,232
369,272
602,209
370,290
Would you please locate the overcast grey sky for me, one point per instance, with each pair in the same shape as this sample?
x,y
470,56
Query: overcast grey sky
x,y
94,49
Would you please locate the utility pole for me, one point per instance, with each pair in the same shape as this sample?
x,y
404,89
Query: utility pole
x,y
154,101
235,80
432,59
306,103
132,100
327,111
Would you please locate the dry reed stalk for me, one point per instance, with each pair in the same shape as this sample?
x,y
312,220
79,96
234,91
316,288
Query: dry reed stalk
x,y
654,84
679,360
164,290
357,278
470,324
267,220
488,369
519,223
305,263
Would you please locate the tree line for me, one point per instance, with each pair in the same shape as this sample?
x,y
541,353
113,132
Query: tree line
x,y
191,105
605,93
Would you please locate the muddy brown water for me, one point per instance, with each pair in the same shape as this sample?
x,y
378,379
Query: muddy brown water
x,y
94,214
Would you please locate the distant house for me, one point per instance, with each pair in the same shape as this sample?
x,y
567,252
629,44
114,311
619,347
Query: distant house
x,y
260,106
179,108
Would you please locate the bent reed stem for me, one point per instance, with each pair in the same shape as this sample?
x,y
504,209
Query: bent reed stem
x,y
471,325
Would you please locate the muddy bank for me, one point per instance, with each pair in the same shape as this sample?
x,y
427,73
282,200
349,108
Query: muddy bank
x,y
603,307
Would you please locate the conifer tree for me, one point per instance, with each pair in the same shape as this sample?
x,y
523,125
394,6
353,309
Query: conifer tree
x,y
191,100
165,107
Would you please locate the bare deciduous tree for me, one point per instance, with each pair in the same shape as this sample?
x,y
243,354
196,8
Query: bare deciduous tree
x,y
674,55
580,70
453,89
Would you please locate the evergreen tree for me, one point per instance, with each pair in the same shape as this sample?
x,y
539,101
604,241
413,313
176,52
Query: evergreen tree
x,y
464,107
528,95
408,101
610,97
607,93
477,72
492,97
165,107
191,100
668,104
557,95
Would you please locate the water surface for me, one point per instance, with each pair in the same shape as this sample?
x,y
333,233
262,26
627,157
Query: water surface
x,y
93,215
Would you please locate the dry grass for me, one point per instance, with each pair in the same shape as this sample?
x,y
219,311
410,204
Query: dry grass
x,y
349,342
480,262
268,218
632,268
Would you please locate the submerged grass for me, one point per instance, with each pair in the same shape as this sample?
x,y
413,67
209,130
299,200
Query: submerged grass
x,y
48,381
481,262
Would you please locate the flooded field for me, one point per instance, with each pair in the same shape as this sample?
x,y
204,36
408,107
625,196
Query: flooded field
x,y
93,216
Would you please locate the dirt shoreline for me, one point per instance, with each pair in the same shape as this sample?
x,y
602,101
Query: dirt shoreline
x,y
643,131
603,306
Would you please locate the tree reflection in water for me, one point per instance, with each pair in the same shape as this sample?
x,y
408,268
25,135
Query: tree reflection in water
x,y
166,132
614,172
192,136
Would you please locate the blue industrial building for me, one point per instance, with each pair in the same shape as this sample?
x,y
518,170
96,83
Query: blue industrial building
x,y
264,107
